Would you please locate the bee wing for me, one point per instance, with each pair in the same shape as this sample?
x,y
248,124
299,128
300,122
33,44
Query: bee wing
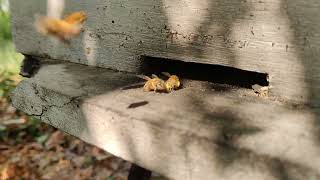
x,y
143,77
76,17
40,24
166,74
154,76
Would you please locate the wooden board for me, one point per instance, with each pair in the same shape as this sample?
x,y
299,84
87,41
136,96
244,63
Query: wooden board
x,y
278,37
203,131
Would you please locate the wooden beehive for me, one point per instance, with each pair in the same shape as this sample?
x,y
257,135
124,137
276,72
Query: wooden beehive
x,y
197,132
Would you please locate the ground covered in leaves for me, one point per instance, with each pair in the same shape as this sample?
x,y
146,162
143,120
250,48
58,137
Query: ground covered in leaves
x,y
30,149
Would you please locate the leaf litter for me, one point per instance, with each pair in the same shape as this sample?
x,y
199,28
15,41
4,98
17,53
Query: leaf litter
x,y
31,150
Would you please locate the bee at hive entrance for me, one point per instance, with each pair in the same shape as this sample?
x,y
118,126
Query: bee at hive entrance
x,y
157,84
207,73
173,83
153,84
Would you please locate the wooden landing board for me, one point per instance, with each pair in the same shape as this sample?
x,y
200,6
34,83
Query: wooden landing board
x,y
202,131
278,37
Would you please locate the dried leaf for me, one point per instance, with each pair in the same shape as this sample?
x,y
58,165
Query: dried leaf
x,y
35,146
14,121
55,139
87,173
79,161
8,172
63,164
99,154
103,172
14,171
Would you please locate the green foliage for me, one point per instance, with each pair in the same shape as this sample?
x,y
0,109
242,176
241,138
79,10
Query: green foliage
x,y
5,27
30,130
42,138
9,58
1,4
7,84
21,126
110,178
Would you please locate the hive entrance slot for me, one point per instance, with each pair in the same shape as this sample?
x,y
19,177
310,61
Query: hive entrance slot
x,y
204,72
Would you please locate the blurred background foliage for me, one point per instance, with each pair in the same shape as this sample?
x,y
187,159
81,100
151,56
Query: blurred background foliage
x,y
14,125
10,62
9,58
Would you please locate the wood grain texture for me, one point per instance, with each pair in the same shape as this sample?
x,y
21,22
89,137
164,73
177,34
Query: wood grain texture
x,y
199,132
278,37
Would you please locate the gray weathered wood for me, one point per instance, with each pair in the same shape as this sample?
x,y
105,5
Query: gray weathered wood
x,y
278,37
199,132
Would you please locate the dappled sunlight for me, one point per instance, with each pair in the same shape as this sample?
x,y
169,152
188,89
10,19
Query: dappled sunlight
x,y
265,42
286,134
109,131
255,36
199,126
186,16
226,128
101,133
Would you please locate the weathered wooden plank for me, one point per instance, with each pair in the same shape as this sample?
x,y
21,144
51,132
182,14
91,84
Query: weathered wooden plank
x,y
199,132
278,37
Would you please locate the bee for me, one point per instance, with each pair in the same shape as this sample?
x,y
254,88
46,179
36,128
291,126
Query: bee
x,y
76,17
153,84
172,83
62,29
261,91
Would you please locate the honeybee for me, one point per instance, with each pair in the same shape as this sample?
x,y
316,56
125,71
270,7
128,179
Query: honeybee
x,y
172,83
261,91
62,29
153,84
76,17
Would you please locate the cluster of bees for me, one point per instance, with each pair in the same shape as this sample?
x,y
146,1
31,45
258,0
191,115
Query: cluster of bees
x,y
157,84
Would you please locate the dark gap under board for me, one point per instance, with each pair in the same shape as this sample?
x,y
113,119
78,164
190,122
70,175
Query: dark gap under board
x,y
204,72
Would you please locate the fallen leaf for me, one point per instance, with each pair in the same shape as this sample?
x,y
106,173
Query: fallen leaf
x,y
99,154
8,172
14,121
14,171
87,173
55,139
79,161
